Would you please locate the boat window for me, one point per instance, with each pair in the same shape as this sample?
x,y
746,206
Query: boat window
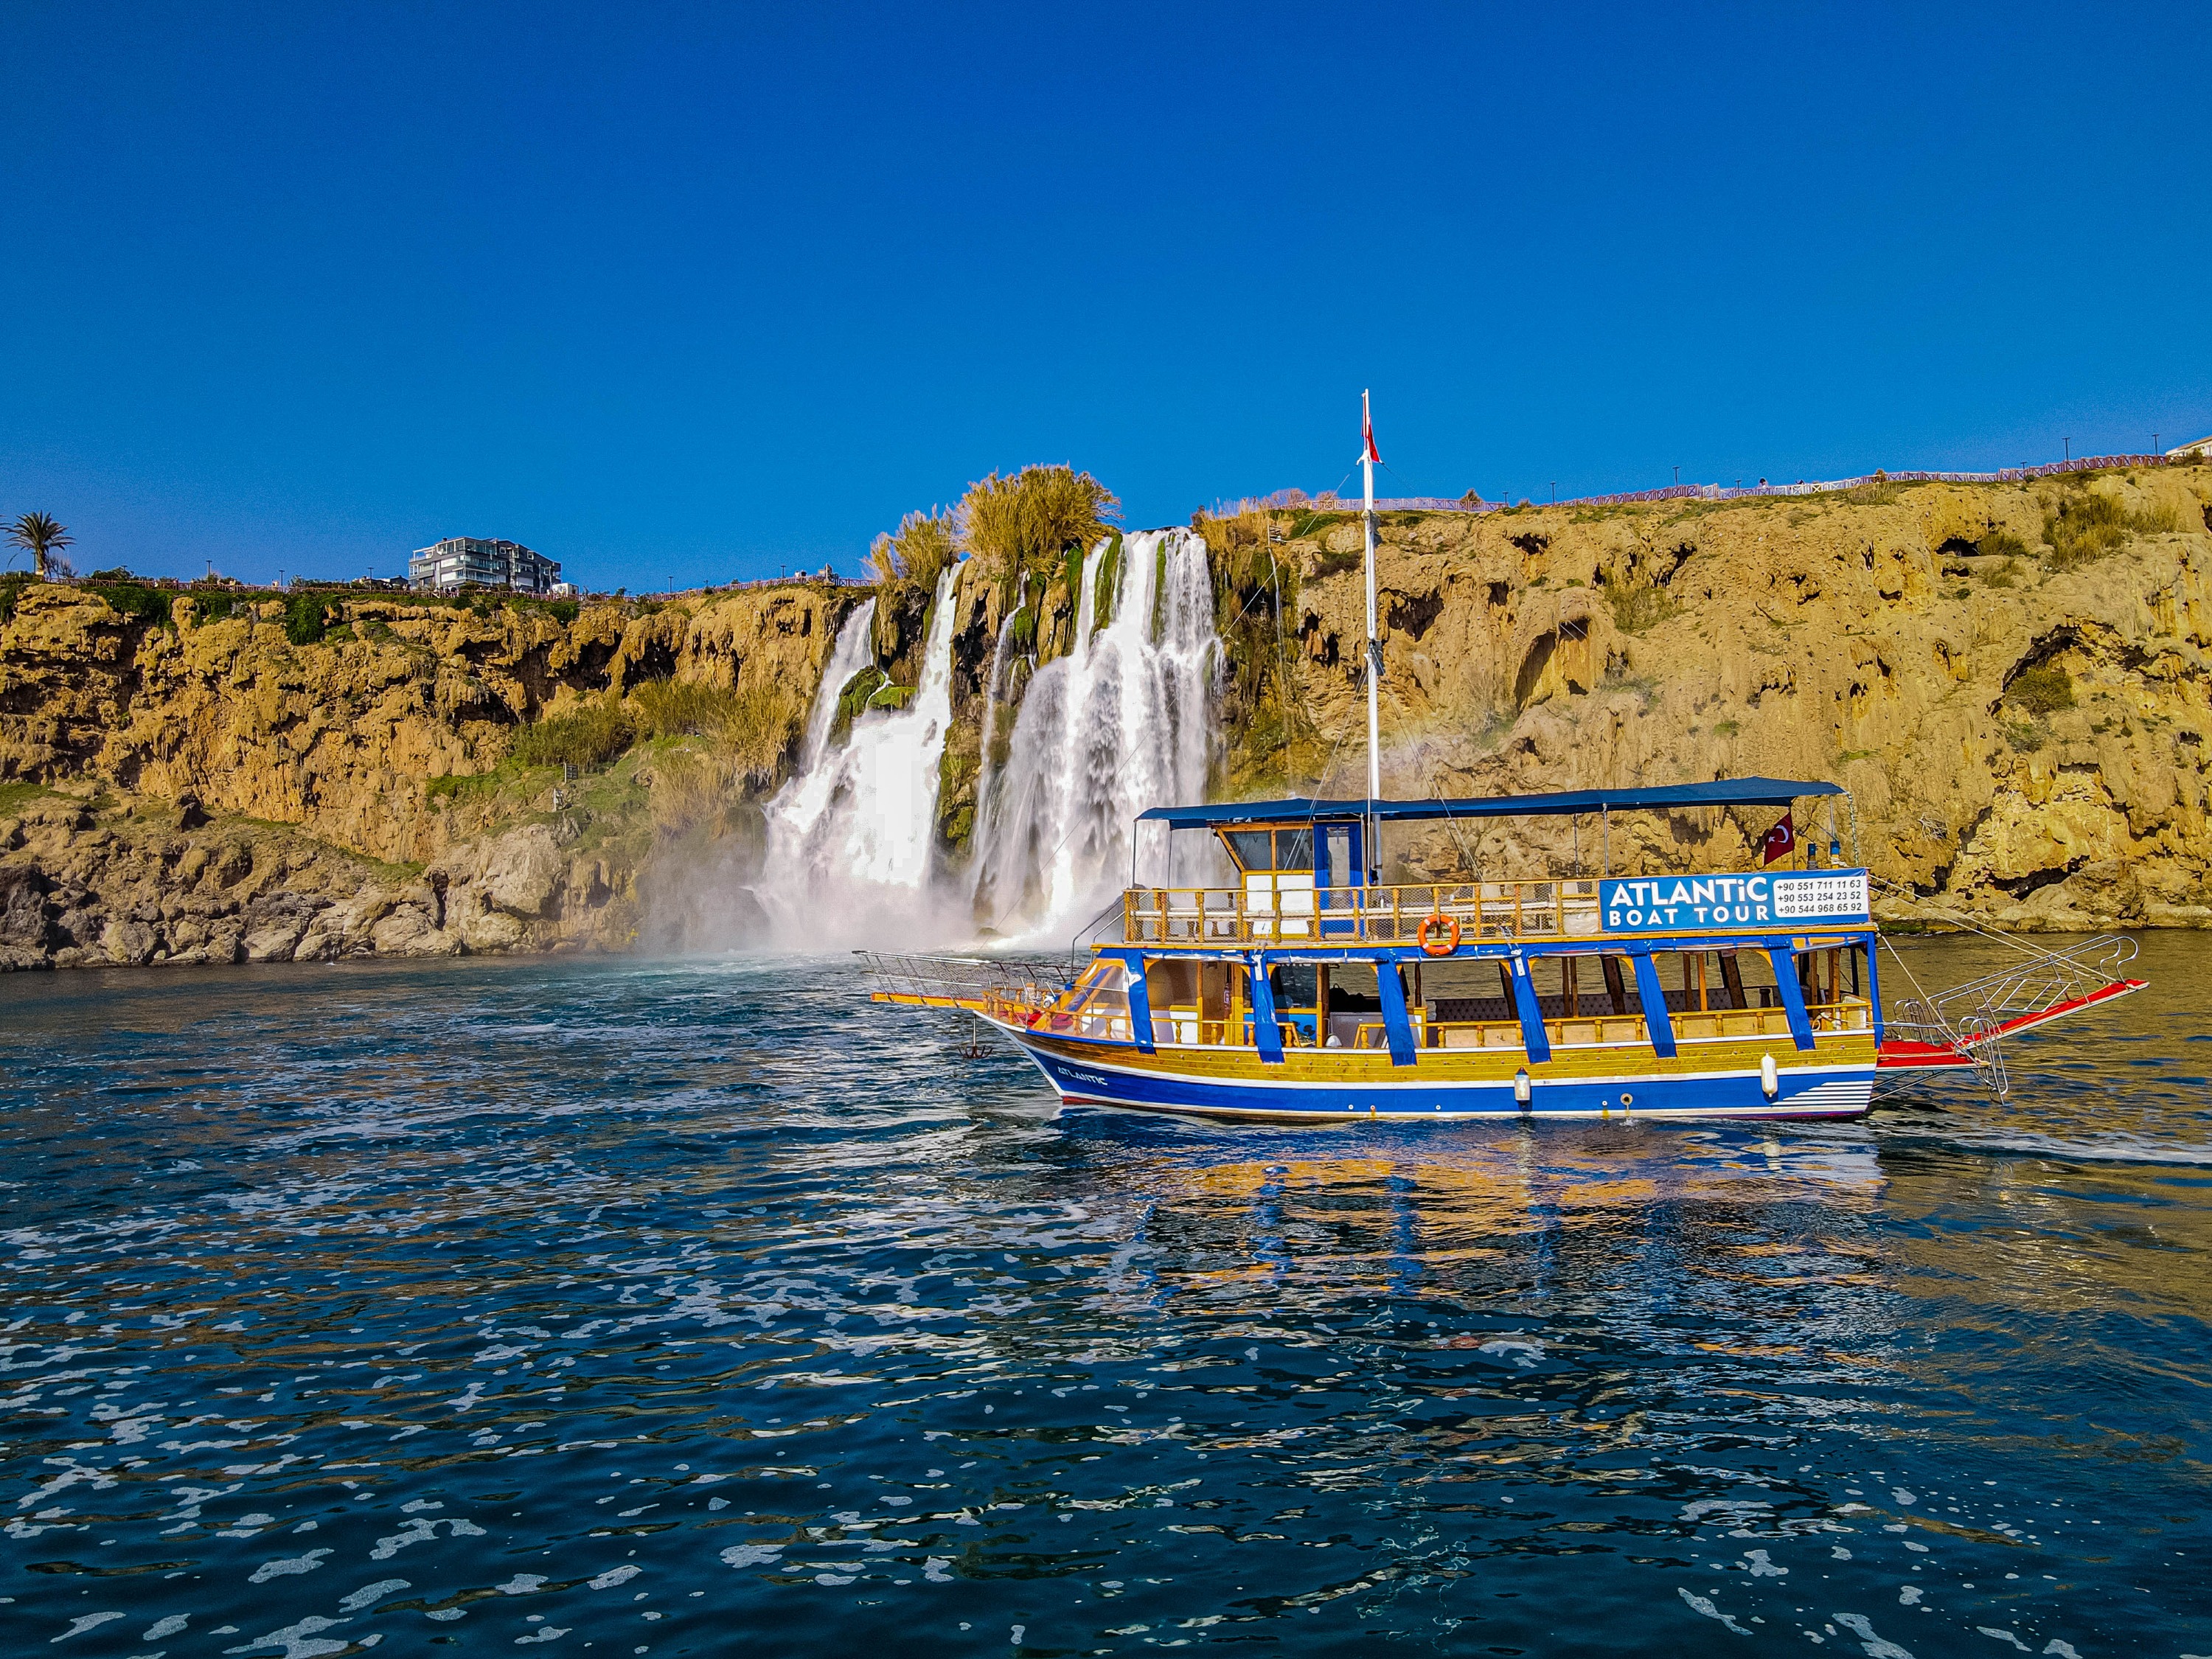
x,y
1294,849
1352,989
1296,985
1250,848
1832,976
1355,1006
1340,872
1190,1000
1096,1004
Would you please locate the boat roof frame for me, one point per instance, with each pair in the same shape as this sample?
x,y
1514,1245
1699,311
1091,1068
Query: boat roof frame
x,y
1572,803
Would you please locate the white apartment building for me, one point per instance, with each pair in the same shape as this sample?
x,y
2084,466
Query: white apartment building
x,y
461,560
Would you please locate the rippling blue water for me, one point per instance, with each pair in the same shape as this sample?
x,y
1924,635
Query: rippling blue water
x,y
699,1309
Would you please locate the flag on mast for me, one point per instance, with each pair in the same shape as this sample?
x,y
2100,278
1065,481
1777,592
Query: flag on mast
x,y
1367,434
1780,841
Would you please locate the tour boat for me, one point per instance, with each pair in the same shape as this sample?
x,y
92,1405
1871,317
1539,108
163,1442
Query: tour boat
x,y
1304,988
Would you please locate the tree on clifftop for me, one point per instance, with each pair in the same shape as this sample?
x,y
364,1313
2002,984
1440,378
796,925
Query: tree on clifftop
x,y
43,539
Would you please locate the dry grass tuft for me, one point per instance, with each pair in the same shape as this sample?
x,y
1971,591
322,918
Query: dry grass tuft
x,y
2089,524
741,736
589,736
918,551
1034,516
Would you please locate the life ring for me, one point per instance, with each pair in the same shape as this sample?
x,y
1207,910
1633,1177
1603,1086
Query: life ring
x,y
1443,923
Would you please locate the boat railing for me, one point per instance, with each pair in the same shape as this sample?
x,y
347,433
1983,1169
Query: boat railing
x,y
1595,1030
1551,908
2040,981
1006,987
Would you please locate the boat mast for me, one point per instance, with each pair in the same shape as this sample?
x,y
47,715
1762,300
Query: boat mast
x,y
1367,459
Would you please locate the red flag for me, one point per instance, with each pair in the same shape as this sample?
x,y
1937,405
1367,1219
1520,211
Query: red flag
x,y
1781,840
1367,433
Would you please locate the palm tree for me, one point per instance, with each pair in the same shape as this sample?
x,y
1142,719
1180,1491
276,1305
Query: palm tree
x,y
38,534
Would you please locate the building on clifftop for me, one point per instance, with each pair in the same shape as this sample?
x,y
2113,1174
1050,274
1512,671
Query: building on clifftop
x,y
461,561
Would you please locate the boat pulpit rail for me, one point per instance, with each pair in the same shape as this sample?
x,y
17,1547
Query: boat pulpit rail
x,y
1006,987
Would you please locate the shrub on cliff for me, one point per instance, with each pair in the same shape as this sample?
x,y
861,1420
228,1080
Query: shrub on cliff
x,y
2041,690
679,708
917,552
1033,517
758,728
133,600
590,736
749,727
2088,525
1635,609
308,618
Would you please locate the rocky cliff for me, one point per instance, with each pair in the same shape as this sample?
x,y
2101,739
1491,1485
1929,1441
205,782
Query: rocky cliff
x,y
203,786
2013,680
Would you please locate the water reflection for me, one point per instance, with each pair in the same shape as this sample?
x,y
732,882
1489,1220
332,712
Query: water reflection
x,y
675,1308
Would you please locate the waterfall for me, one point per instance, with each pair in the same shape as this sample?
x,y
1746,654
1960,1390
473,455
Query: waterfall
x,y
988,772
1124,721
852,837
853,651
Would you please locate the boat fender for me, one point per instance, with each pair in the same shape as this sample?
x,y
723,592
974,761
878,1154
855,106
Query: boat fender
x,y
1521,1088
1770,1076
1438,921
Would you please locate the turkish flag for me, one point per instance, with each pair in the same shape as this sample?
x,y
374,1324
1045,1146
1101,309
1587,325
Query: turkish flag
x,y
1781,840
1367,433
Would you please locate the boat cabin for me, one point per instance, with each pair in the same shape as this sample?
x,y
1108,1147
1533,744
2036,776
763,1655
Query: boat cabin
x,y
1308,949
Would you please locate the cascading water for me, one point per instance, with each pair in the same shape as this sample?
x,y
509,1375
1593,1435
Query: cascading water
x,y
855,650
852,837
1124,721
991,688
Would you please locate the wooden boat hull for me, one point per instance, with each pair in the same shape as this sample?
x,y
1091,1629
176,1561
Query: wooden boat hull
x,y
1703,1081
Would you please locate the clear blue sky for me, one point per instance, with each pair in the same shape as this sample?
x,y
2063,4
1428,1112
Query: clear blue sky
x,y
687,293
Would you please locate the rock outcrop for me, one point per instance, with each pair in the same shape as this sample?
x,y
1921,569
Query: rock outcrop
x,y
209,791
2021,711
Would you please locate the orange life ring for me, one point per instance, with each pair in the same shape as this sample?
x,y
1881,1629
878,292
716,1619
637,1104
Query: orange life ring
x,y
1438,919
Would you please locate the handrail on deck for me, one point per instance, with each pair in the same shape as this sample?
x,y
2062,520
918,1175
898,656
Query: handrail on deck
x,y
1554,908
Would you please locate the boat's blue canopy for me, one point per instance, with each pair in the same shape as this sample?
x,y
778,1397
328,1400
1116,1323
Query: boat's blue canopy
x,y
1722,792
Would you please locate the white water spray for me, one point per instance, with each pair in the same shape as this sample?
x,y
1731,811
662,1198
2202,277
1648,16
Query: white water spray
x,y
855,650
852,837
990,691
1124,721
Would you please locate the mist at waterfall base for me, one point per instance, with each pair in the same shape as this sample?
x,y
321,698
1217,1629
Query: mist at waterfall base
x,y
1123,722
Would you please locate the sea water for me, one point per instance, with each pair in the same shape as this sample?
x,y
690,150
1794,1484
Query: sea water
x,y
700,1308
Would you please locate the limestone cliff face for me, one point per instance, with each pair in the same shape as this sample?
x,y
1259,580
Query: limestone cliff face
x,y
2024,731
2022,715
211,791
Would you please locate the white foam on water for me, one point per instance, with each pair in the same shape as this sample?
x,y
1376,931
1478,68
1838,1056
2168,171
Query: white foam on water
x,y
1704,1604
1877,1647
297,1564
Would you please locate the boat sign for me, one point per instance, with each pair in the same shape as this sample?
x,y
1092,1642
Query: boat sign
x,y
1668,904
